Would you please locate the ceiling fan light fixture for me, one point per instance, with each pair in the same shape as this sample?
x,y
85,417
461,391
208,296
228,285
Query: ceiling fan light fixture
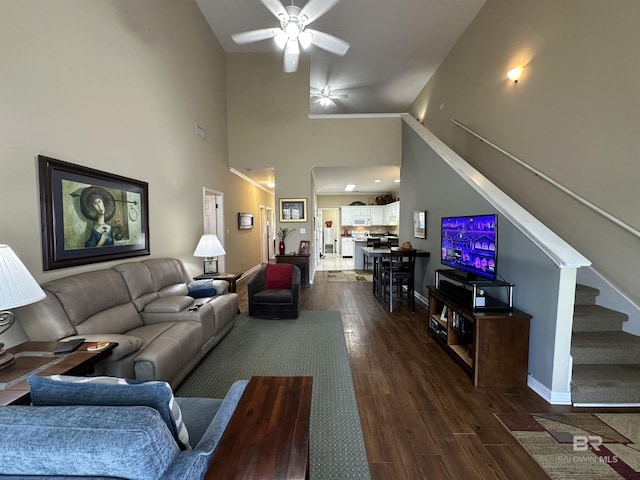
x,y
292,30
281,39
292,47
305,39
326,102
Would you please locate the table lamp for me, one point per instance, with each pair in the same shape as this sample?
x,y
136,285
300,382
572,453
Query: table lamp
x,y
17,288
209,247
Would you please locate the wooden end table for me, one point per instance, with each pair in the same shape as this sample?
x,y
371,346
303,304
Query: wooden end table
x,y
232,278
38,358
268,434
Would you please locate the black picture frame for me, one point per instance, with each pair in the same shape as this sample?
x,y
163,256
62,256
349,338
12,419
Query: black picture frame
x,y
245,221
89,216
420,224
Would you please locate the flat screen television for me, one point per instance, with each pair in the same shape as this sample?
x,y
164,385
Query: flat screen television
x,y
470,243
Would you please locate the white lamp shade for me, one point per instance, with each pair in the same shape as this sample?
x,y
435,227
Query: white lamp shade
x,y
209,246
17,286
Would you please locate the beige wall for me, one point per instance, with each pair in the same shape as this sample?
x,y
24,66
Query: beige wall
x,y
572,116
117,86
269,126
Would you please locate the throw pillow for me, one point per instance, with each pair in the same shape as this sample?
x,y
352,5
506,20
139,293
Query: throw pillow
x,y
201,289
59,390
278,276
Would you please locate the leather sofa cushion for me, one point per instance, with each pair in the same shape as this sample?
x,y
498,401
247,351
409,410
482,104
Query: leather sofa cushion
x,y
137,277
168,275
86,294
170,304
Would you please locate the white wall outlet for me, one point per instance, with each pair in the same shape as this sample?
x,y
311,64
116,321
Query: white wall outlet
x,y
303,231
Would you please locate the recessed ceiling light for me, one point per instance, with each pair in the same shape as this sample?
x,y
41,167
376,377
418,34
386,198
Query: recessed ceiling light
x,y
350,187
397,180
377,180
271,184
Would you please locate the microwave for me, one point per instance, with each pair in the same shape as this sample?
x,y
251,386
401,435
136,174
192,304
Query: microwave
x,y
361,221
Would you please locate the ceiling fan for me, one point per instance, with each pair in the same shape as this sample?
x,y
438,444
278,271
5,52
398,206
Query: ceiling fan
x,y
293,32
325,96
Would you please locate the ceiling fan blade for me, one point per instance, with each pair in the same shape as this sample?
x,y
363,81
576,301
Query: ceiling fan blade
x,y
314,9
275,7
291,56
328,42
254,35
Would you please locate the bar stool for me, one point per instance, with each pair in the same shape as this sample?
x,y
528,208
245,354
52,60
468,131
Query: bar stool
x,y
375,243
399,274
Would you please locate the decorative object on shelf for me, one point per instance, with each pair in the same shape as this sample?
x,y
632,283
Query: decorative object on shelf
x,y
17,288
293,210
245,221
303,249
283,233
209,247
420,224
75,200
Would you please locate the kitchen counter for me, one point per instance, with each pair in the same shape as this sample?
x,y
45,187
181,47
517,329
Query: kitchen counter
x,y
358,257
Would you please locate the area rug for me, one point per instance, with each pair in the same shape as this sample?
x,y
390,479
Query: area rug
x,y
349,276
313,344
580,445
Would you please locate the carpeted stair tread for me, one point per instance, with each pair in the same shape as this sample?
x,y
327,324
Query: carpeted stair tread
x,y
606,384
605,348
586,295
595,318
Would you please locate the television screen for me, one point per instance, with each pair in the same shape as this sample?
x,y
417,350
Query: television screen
x,y
470,244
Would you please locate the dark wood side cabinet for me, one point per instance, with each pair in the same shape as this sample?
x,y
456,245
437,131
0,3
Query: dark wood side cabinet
x,y
300,260
491,346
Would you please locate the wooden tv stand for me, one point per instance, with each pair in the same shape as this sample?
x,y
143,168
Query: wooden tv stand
x,y
491,346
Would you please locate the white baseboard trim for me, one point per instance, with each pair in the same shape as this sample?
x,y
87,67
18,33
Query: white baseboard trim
x,y
554,398
607,405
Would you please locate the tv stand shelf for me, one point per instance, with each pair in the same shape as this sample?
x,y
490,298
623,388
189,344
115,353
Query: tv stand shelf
x,y
474,292
492,346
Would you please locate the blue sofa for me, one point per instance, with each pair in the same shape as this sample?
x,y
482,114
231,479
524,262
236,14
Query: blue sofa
x,y
128,442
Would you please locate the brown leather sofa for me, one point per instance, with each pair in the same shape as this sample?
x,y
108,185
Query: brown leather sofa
x,y
162,332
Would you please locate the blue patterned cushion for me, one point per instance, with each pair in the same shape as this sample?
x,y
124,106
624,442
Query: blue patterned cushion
x,y
201,289
59,390
85,441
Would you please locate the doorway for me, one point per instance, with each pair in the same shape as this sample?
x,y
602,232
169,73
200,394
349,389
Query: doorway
x,y
213,208
267,234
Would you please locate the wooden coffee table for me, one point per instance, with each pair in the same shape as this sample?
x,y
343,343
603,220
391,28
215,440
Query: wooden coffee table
x,y
38,358
268,434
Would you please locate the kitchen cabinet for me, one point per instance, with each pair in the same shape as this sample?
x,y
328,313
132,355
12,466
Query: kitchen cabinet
x,y
380,215
392,213
348,246
346,215
377,215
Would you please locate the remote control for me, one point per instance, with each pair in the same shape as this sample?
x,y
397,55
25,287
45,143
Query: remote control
x,y
69,346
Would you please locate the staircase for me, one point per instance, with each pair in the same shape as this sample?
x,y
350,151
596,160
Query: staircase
x,y
606,360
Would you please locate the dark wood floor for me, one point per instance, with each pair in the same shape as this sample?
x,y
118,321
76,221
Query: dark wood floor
x,y
421,417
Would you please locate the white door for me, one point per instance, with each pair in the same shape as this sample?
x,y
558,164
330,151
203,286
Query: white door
x,y
213,206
